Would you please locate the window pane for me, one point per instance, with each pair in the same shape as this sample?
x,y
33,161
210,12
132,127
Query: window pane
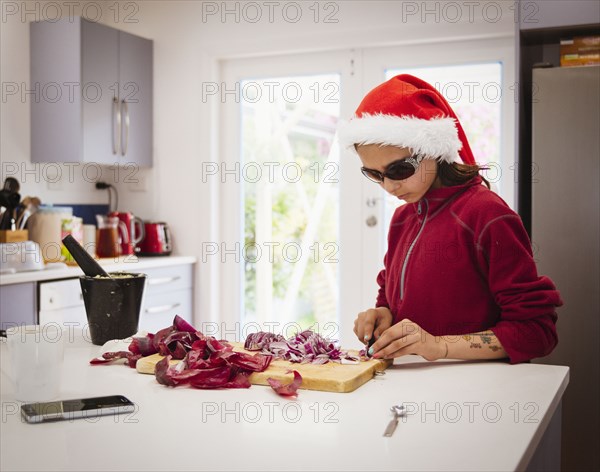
x,y
290,199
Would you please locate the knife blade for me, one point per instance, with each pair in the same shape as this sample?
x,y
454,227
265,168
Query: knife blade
x,y
391,427
369,344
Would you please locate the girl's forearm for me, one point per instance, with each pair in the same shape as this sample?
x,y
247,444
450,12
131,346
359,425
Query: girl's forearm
x,y
482,345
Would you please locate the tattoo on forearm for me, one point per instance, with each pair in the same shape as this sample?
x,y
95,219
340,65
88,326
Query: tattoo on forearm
x,y
486,337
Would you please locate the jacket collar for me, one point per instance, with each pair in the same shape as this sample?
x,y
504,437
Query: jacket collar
x,y
437,198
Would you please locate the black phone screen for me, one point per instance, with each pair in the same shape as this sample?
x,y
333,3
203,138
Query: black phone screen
x,y
77,407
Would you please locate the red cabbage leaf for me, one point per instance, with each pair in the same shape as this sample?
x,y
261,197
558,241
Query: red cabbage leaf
x,y
286,390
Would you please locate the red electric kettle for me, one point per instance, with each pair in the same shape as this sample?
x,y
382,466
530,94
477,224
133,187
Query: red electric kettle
x,y
134,231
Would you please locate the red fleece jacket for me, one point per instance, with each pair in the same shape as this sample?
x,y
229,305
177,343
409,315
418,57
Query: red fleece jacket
x,y
460,261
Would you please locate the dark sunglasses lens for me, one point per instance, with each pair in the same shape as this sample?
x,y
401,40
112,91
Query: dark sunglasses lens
x,y
371,175
400,170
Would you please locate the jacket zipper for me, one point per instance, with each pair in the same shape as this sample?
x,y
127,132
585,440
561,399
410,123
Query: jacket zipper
x,y
412,245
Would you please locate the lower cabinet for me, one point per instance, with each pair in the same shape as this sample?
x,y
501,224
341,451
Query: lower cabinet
x,y
168,293
61,302
18,304
159,309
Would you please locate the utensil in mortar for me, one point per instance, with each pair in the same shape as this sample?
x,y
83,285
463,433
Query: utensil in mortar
x,y
88,264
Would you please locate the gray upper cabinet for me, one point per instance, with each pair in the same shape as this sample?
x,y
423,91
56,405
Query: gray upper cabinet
x,y
95,94
135,69
100,93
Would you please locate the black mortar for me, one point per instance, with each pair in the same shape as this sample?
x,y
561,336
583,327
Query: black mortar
x,y
112,305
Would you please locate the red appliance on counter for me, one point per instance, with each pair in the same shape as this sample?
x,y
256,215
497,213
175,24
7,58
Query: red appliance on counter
x,y
134,231
156,240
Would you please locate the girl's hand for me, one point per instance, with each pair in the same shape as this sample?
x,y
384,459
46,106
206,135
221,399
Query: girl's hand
x,y
405,338
371,323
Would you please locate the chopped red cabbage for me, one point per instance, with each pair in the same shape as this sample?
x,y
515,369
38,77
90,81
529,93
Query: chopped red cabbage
x,y
168,341
304,348
287,390
256,341
181,325
160,372
109,357
205,362
212,364
143,346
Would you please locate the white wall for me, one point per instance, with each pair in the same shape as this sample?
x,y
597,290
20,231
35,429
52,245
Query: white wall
x,y
188,43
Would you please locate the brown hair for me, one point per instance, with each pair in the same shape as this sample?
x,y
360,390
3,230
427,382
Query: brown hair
x,y
455,173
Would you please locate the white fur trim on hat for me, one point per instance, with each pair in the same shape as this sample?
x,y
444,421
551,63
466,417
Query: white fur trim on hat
x,y
436,138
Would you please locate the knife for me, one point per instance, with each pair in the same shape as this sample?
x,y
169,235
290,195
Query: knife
x,y
369,344
398,411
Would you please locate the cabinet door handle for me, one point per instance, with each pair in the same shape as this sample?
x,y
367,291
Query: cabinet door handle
x,y
125,135
116,125
159,309
163,280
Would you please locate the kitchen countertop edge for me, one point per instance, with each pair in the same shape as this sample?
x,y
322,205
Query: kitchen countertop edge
x,y
74,272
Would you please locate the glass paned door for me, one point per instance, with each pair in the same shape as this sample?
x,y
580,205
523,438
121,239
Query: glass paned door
x,y
295,212
290,199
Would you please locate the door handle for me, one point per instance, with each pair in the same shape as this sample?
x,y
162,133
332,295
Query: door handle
x,y
371,221
116,116
371,202
159,309
163,280
125,134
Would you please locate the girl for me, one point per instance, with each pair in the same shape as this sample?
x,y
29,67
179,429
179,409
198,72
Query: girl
x,y
459,279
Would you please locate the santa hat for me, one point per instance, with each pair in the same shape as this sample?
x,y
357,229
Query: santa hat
x,y
408,112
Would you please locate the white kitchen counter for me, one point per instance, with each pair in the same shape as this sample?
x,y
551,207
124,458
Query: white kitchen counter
x,y
464,416
128,263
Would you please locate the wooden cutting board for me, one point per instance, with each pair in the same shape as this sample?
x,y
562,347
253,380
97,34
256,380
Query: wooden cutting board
x,y
330,377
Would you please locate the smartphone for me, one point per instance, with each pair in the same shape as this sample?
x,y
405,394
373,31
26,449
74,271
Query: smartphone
x,y
78,408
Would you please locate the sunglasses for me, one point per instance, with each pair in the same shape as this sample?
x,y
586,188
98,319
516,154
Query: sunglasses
x,y
397,170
